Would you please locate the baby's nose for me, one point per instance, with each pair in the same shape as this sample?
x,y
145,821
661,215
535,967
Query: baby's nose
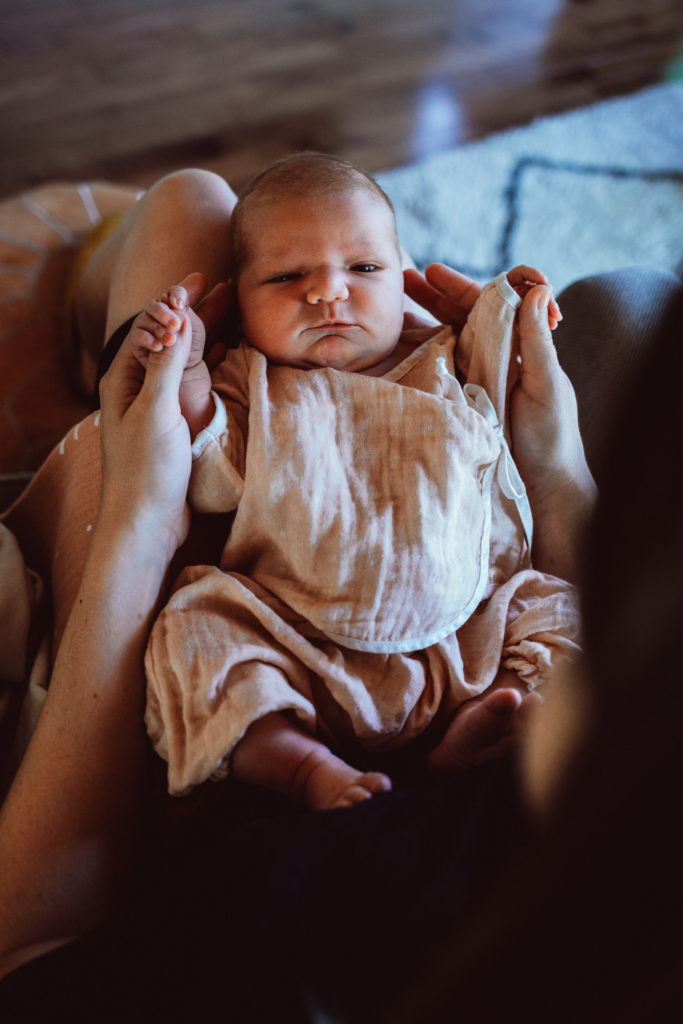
x,y
327,285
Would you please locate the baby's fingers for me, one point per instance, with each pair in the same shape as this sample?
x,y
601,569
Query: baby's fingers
x,y
163,313
176,297
554,314
153,331
526,275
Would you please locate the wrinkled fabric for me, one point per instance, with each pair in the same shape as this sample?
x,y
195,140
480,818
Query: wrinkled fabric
x,y
375,575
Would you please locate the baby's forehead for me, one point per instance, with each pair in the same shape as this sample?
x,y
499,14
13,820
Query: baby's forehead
x,y
258,215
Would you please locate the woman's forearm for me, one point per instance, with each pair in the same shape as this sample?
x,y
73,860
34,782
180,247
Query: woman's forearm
x,y
561,515
69,824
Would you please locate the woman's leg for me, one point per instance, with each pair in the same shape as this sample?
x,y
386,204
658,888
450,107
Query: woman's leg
x,y
181,224
610,320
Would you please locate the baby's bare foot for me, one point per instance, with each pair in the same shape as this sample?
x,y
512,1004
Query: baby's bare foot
x,y
332,783
363,788
485,728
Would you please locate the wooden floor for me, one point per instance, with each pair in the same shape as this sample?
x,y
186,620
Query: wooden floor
x,y
127,89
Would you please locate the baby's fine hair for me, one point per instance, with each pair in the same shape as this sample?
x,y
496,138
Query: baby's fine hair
x,y
306,173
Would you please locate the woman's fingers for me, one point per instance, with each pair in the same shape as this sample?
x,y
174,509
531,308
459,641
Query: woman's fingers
x,y
459,289
445,293
539,360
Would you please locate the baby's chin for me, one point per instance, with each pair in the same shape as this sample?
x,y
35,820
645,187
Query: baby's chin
x,y
339,353
339,349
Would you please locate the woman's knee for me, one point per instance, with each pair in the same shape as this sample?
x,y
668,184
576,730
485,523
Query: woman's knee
x,y
190,190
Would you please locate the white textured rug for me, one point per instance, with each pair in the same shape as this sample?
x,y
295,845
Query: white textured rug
x,y
595,189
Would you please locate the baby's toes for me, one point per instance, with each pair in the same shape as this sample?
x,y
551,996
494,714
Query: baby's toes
x,y
363,788
375,782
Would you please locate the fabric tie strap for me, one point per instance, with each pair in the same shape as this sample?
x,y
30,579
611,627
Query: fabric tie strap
x,y
511,483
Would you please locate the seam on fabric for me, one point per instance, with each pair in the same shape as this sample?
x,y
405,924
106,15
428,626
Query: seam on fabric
x,y
213,431
506,291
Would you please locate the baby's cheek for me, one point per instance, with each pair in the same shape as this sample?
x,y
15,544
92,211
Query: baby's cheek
x,y
263,330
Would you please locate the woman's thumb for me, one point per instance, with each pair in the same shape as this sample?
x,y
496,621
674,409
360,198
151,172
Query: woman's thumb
x,y
165,368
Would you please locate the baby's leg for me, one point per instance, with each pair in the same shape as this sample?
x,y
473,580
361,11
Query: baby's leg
x,y
485,727
276,754
180,225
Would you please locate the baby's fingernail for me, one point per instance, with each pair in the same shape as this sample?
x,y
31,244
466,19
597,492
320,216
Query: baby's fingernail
x,y
172,323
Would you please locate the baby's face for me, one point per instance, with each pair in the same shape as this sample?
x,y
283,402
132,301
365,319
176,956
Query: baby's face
x,y
322,284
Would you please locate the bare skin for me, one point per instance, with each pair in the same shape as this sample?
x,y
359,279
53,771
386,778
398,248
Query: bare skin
x,y
486,727
70,822
180,224
277,755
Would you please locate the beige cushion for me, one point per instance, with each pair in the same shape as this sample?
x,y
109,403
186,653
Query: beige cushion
x,y
40,234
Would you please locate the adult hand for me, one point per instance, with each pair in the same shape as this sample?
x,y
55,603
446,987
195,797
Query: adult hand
x,y
547,445
146,455
445,293
70,825
543,412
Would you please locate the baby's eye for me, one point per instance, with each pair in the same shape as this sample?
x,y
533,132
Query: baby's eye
x,y
365,268
279,278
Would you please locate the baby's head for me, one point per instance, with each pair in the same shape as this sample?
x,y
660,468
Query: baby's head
x,y
317,265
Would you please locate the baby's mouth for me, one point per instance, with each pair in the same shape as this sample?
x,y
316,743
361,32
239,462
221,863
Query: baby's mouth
x,y
328,325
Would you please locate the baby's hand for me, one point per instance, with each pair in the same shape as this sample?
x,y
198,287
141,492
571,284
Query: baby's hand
x,y
523,279
166,319
159,324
